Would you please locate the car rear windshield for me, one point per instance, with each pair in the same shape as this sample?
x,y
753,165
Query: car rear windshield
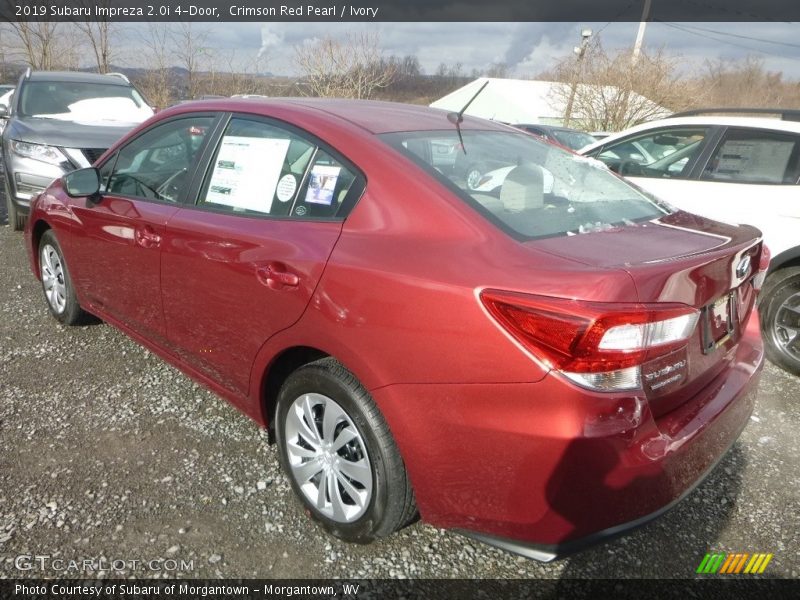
x,y
573,139
74,101
530,189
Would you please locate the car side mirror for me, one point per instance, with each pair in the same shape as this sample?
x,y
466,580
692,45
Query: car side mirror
x,y
666,140
3,111
83,182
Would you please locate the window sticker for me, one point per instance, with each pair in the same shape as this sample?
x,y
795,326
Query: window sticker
x,y
764,160
321,184
287,186
246,172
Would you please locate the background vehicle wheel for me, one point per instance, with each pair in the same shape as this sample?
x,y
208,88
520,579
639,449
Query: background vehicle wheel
x,y
473,177
15,220
56,283
780,318
339,454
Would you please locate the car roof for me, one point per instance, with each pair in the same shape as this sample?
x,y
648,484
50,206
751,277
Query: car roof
x,y
76,77
772,124
545,127
373,116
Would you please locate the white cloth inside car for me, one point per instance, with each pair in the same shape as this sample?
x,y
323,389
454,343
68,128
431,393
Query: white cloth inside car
x,y
523,189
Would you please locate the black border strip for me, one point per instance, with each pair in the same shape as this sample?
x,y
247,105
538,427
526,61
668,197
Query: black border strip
x,y
400,10
710,587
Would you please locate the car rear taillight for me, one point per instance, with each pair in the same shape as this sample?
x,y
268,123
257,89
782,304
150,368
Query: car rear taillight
x,y
601,346
763,267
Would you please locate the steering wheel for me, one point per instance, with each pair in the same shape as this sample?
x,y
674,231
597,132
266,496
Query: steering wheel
x,y
170,189
141,189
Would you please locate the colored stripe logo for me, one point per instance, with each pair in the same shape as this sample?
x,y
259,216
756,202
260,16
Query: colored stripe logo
x,y
734,564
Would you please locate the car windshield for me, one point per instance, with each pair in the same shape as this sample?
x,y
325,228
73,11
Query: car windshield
x,y
573,139
79,101
529,188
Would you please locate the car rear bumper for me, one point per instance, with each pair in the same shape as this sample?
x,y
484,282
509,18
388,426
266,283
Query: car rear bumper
x,y
549,552
544,469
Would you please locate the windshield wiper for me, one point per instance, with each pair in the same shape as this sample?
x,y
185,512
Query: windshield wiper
x,y
457,117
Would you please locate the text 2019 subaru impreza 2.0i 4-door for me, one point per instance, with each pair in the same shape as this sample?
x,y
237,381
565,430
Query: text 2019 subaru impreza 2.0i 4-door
x,y
538,368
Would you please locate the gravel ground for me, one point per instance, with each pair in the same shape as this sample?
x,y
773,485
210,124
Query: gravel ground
x,y
107,452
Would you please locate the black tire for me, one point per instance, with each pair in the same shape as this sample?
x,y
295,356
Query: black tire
x,y
782,286
391,503
71,313
15,220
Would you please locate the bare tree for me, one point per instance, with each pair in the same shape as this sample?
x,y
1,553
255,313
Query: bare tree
x,y
96,33
345,68
38,43
613,92
99,34
497,70
155,82
227,75
5,56
189,48
746,83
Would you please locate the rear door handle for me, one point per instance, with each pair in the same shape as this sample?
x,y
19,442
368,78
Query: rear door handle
x,y
146,237
277,277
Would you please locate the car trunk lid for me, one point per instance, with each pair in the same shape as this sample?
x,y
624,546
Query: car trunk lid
x,y
687,260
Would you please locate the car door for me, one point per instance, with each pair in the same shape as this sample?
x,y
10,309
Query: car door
x,y
242,262
119,237
752,177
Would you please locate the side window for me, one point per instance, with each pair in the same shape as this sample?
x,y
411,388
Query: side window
x,y
755,156
663,153
156,165
263,169
328,183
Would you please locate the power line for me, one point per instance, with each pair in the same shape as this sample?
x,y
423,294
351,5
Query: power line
x,y
736,35
724,41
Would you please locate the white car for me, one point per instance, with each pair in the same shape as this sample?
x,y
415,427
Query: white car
x,y
732,169
5,101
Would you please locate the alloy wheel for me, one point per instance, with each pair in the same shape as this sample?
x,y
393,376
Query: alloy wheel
x,y
786,327
55,287
328,457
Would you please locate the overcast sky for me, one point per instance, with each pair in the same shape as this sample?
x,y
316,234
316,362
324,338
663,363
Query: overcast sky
x,y
528,48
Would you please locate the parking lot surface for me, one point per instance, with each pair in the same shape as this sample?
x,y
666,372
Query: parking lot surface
x,y
108,453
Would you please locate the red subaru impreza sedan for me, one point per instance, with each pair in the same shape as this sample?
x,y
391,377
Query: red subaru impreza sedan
x,y
539,366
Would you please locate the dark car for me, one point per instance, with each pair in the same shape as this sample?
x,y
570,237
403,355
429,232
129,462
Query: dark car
x,y
564,136
60,121
538,368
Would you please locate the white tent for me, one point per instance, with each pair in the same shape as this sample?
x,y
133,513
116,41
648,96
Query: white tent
x,y
518,101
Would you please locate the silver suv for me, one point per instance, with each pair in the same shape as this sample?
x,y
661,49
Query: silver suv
x,y
58,122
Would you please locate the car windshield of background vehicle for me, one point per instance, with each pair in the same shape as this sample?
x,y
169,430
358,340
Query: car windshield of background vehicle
x,y
573,139
755,157
77,101
531,189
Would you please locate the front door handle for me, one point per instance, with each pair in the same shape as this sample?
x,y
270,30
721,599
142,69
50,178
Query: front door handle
x,y
146,237
276,277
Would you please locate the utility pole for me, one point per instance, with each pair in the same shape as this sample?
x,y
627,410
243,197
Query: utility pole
x,y
637,50
637,46
580,51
